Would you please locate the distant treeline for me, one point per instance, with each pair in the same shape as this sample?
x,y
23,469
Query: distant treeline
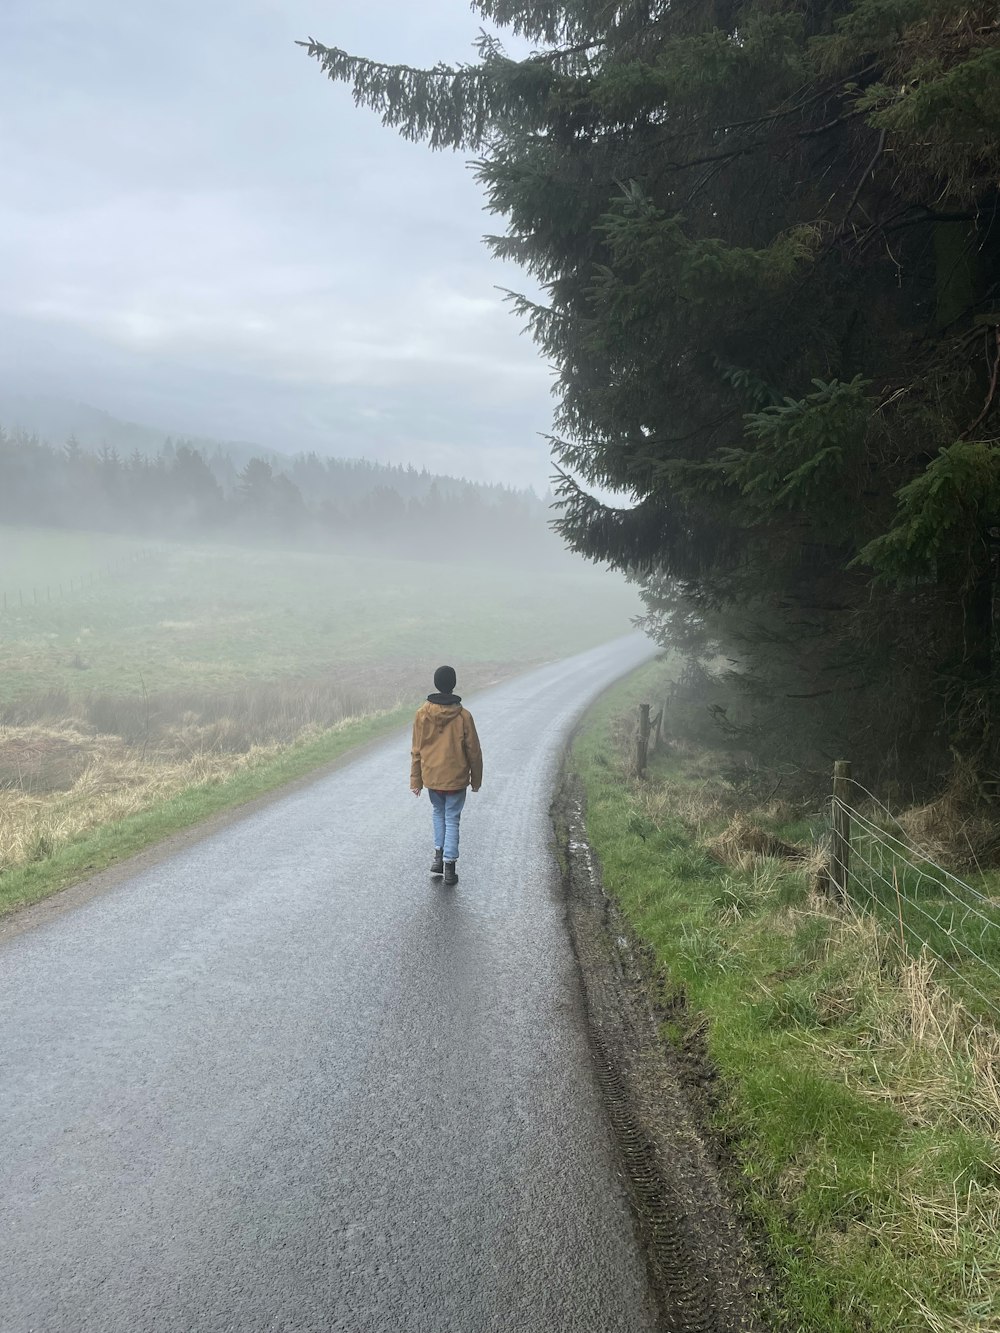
x,y
182,492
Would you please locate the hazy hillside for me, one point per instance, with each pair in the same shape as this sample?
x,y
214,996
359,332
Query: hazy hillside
x,y
185,488
55,420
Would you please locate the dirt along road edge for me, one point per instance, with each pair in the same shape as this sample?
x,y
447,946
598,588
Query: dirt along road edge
x,y
700,1264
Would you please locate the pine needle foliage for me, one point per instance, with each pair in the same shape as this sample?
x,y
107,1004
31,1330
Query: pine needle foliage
x,y
768,242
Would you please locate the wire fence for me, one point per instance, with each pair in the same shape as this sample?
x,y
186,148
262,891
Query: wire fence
x,y
18,599
879,869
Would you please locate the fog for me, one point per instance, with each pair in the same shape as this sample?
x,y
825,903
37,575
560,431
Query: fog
x,y
143,484
170,622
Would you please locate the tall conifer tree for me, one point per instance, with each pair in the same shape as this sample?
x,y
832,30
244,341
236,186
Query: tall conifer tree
x,y
769,242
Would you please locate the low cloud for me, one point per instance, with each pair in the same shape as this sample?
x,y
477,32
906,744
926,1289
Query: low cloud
x,y
229,247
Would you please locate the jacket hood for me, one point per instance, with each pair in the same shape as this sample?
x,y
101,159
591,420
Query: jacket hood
x,y
442,715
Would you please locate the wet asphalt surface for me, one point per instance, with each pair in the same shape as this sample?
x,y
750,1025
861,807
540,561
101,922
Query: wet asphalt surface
x,y
284,1080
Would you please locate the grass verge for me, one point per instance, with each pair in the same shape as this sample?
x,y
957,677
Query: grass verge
x,y
860,1098
262,770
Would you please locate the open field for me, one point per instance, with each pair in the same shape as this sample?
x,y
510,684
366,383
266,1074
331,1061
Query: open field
x,y
856,1095
36,561
211,616
197,666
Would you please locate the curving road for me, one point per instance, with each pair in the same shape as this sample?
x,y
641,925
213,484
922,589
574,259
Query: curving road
x,y
283,1080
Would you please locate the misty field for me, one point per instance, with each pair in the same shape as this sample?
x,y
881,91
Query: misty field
x,y
212,617
169,667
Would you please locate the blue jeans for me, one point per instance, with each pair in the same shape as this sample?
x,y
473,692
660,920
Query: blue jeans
x,y
446,808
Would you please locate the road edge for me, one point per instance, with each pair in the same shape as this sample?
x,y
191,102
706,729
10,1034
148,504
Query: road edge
x,y
700,1263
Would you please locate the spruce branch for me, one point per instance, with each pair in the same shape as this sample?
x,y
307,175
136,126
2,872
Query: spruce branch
x,y
448,106
991,392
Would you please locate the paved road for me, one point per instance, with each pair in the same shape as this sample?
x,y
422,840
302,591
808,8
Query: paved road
x,y
285,1081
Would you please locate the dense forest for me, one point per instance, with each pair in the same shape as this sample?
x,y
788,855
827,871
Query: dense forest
x,y
768,242
182,492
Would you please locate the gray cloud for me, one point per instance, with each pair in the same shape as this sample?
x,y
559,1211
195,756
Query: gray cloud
x,y
202,232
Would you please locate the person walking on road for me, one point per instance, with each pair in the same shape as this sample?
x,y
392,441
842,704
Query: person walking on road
x,y
447,759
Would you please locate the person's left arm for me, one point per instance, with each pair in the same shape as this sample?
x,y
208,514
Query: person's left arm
x,y
473,752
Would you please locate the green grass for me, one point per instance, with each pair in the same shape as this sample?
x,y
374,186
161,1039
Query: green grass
x,y
934,909
36,561
209,616
867,1151
116,841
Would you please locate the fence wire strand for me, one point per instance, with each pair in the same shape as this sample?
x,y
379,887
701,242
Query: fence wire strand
x,y
934,910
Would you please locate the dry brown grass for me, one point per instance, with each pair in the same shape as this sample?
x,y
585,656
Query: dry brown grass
x,y
946,1064
743,837
63,777
37,759
117,781
932,1059
258,713
959,1228
698,805
898,1036
958,828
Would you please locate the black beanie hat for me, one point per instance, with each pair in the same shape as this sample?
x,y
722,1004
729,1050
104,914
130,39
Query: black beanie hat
x,y
444,679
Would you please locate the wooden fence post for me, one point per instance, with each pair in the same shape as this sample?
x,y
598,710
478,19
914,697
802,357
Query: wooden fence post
x,y
642,741
657,725
840,847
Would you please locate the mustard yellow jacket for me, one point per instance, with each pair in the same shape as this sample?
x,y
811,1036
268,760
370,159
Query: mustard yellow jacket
x,y
445,754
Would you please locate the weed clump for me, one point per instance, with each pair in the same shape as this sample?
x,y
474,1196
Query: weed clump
x,y
744,838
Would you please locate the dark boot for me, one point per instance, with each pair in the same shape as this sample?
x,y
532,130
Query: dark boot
x,y
438,867
450,873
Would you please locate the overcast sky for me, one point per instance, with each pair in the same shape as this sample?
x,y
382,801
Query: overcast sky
x,y
201,232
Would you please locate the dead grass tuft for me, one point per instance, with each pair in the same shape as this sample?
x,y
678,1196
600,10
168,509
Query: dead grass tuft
x,y
40,759
926,1014
698,805
743,838
944,1224
958,828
